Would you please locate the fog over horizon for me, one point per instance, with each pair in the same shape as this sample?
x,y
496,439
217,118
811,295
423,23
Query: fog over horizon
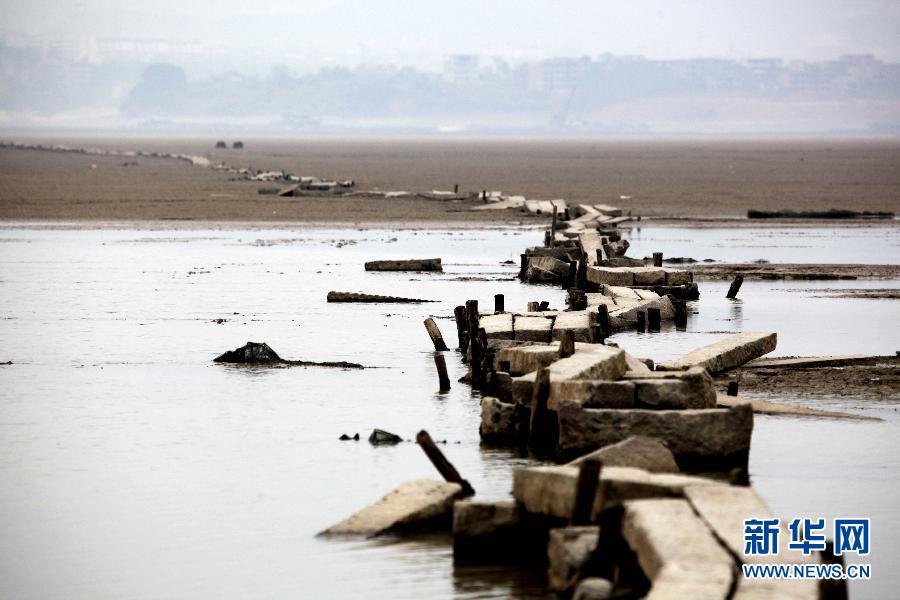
x,y
383,66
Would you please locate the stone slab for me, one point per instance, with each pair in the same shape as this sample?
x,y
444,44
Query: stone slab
x,y
569,551
675,390
676,551
486,531
678,277
414,504
637,451
648,276
708,439
550,490
616,276
498,326
592,393
501,422
578,322
728,353
532,329
724,509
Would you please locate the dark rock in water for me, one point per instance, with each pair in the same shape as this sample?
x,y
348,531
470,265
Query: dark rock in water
x,y
250,353
380,436
344,437
253,353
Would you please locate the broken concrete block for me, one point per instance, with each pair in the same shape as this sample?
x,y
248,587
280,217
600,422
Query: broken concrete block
x,y
525,359
726,354
592,393
648,276
628,312
599,362
646,294
578,322
413,505
692,388
550,490
546,269
676,551
498,326
486,531
569,551
532,329
593,588
636,366
610,276
678,277
617,292
709,439
637,451
501,422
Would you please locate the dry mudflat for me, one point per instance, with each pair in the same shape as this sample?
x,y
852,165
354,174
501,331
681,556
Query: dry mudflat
x,y
692,179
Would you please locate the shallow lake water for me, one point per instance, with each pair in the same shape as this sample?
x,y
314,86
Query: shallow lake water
x,y
133,466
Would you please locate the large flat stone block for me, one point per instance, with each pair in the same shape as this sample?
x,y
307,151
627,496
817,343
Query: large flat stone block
x,y
676,551
648,276
617,276
414,504
731,352
499,326
550,490
638,452
501,422
701,439
578,322
673,389
592,393
532,329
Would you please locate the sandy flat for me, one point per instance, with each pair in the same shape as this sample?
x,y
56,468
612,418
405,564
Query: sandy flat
x,y
685,178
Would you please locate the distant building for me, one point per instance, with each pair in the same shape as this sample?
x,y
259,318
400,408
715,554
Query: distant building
x,y
557,74
461,68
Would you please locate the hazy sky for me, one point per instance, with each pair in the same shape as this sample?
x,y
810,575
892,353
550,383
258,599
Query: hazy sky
x,y
422,31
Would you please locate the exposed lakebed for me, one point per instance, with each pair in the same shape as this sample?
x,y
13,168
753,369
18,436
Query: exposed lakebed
x,y
134,465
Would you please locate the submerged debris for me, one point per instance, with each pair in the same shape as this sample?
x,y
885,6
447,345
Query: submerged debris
x,y
361,297
254,353
380,436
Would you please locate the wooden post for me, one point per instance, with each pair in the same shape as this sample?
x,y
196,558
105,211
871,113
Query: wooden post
x,y
657,259
641,321
553,228
566,343
523,265
498,303
474,350
654,319
544,305
533,306
732,388
443,378
680,312
538,430
586,490
569,281
456,188
484,195
832,589
440,462
459,314
435,333
487,356
599,257
735,286
605,327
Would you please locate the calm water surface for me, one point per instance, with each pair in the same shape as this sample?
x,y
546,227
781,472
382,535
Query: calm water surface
x,y
133,466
